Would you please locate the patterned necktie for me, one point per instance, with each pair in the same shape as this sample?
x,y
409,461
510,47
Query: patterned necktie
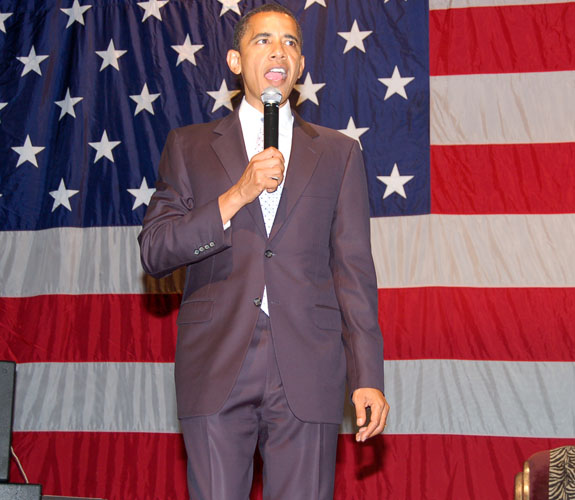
x,y
268,201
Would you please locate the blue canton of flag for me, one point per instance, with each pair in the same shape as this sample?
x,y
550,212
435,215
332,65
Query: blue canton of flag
x,y
89,92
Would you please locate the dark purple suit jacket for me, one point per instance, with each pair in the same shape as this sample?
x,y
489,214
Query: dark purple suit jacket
x,y
316,263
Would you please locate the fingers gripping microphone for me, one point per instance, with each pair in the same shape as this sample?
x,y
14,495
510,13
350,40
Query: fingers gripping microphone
x,y
271,97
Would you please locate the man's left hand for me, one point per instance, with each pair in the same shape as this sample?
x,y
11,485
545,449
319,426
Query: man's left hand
x,y
374,399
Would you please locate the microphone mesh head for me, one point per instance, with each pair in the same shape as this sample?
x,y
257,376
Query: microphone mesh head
x,y
271,95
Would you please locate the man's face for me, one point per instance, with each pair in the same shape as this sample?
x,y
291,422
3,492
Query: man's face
x,y
269,55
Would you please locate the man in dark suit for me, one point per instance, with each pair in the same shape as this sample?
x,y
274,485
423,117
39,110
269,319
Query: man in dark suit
x,y
280,300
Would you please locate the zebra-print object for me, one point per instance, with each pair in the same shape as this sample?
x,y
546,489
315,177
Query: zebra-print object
x,y
562,473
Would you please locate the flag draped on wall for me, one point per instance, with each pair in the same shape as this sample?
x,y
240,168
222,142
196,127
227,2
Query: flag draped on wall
x,y
465,113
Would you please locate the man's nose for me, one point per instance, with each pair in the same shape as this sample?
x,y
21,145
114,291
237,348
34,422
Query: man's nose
x,y
278,51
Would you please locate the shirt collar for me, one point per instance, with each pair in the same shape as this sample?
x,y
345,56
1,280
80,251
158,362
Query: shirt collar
x,y
249,114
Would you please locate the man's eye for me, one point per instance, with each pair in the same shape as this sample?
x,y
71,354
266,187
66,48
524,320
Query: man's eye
x,y
261,41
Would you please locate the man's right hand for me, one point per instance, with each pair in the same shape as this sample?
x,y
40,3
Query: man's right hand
x,y
264,171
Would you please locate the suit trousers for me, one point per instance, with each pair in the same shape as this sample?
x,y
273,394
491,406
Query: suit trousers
x,y
298,457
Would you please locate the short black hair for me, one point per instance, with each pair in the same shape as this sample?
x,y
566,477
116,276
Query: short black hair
x,y
242,25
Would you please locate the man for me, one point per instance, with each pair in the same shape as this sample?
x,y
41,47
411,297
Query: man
x,y
280,293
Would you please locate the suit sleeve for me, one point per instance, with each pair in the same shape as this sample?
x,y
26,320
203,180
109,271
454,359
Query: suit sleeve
x,y
354,278
176,231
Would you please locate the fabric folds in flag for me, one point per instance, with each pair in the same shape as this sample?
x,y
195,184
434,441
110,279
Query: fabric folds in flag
x,y
464,113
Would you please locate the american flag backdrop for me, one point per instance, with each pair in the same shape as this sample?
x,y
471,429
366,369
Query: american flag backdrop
x,y
465,111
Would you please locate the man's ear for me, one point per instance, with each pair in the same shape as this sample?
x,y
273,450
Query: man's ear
x,y
234,61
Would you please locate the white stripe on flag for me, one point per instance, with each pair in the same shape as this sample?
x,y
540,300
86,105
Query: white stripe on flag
x,y
510,108
76,261
459,4
119,397
491,398
513,250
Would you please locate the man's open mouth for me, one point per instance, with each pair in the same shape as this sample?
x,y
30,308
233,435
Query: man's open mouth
x,y
276,74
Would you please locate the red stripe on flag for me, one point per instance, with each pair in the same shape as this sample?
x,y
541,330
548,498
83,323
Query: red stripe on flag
x,y
435,467
508,324
89,328
511,178
103,465
117,466
513,324
507,39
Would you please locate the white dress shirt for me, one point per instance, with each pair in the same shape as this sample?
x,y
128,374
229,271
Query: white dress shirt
x,y
252,128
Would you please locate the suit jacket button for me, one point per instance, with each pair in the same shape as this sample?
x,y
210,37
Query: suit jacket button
x,y
212,244
257,302
196,252
269,254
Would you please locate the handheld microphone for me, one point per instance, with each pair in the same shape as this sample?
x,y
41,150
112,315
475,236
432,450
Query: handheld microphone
x,y
271,97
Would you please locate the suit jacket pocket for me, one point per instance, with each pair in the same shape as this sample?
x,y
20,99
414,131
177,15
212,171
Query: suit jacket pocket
x,y
327,317
195,311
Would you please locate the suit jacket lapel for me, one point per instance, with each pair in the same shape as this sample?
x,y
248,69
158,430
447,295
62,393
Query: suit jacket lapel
x,y
302,163
231,151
